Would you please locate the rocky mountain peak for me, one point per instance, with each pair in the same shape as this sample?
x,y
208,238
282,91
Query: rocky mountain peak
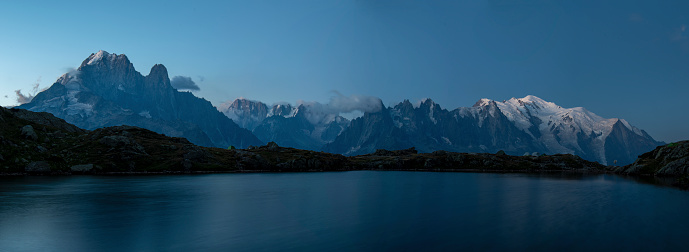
x,y
103,58
158,76
249,105
404,107
427,102
484,102
533,104
158,70
282,109
247,113
532,99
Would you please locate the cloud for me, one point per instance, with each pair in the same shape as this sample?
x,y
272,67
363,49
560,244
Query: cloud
x,y
184,83
317,112
346,104
22,98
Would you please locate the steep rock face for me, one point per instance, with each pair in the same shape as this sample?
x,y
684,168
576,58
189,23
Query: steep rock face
x,y
246,113
106,90
374,130
624,145
288,131
284,110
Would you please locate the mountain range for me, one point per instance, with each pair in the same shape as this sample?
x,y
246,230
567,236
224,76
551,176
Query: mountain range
x,y
106,90
517,126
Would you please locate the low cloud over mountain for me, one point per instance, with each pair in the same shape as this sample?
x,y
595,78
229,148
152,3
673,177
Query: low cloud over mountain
x,y
184,83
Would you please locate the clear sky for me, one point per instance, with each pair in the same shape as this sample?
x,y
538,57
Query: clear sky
x,y
625,59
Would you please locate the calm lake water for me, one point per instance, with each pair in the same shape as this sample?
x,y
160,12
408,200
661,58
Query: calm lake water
x,y
345,211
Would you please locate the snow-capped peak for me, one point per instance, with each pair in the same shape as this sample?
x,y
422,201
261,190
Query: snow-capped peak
x,y
632,128
534,103
532,99
94,58
483,102
559,127
101,56
523,110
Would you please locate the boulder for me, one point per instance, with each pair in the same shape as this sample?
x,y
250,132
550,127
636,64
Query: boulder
x,y
29,133
41,149
272,146
82,168
37,167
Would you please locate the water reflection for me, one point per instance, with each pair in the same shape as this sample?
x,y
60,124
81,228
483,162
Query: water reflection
x,y
365,210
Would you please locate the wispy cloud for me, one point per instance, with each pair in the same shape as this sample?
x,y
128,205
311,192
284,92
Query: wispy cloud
x,y
22,98
317,112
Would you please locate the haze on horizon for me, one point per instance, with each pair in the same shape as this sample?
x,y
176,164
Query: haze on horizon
x,y
624,59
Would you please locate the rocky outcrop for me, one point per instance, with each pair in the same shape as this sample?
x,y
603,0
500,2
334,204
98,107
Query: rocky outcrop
x,y
44,118
384,152
453,161
37,167
84,168
668,160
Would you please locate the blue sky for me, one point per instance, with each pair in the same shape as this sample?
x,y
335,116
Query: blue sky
x,y
625,59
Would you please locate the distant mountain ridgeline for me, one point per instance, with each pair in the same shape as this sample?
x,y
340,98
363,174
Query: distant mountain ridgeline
x,y
516,126
106,90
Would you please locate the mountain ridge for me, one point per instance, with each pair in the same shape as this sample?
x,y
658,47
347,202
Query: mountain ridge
x,y
525,125
517,126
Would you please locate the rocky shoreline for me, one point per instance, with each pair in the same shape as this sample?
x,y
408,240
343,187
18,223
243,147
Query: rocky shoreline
x,y
41,144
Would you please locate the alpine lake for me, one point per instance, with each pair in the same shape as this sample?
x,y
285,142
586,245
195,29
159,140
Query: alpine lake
x,y
341,211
